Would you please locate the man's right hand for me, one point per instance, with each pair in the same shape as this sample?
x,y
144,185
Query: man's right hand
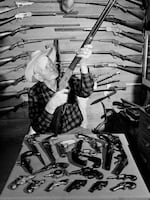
x,y
58,99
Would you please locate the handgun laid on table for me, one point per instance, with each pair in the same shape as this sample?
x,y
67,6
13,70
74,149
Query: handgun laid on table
x,y
47,148
122,159
31,144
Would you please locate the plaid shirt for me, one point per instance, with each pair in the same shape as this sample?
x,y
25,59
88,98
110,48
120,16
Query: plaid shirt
x,y
40,94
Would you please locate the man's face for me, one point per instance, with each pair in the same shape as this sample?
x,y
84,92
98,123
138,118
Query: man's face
x,y
47,69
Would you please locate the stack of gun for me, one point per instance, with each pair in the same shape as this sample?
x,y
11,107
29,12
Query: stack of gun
x,y
86,156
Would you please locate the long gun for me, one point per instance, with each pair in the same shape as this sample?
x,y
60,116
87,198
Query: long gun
x,y
8,109
5,9
12,82
68,73
133,11
134,25
132,69
6,60
12,69
25,28
6,96
30,14
133,46
22,42
138,3
132,58
88,40
115,30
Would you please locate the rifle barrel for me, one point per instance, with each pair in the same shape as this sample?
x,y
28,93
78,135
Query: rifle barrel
x,y
88,40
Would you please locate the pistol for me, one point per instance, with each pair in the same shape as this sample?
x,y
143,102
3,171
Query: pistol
x,y
30,143
76,184
98,185
25,161
46,146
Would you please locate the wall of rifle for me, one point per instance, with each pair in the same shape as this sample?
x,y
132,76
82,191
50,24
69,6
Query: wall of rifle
x,y
116,62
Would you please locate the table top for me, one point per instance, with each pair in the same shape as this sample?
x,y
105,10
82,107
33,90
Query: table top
x,y
59,193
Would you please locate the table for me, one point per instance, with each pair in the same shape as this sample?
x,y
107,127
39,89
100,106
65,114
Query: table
x,y
58,193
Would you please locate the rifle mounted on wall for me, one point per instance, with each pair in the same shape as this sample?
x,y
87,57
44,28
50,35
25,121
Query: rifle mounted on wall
x,y
25,28
134,25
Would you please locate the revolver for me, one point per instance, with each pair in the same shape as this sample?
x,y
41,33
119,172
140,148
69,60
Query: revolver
x,y
93,142
88,172
76,184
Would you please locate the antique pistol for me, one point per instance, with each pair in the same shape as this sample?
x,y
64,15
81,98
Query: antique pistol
x,y
122,159
30,143
46,146
76,184
93,142
124,177
88,172
96,161
107,152
75,154
20,180
60,149
35,184
98,185
54,184
124,185
25,161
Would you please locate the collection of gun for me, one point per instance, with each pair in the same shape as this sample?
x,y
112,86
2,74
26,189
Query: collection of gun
x,y
90,154
137,12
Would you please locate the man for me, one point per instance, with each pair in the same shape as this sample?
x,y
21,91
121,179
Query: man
x,y
44,99
67,5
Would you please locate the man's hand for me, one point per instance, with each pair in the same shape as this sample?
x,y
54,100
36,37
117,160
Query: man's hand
x,y
84,53
58,99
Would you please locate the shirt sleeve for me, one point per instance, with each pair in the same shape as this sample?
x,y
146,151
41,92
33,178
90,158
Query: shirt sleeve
x,y
84,86
40,119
